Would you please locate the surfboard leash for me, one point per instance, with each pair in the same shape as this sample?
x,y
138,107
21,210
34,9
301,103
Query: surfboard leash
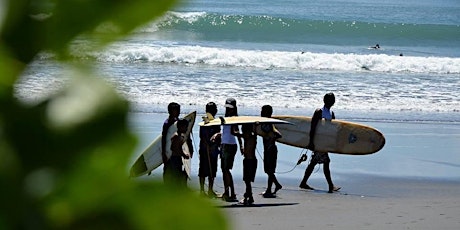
x,y
302,157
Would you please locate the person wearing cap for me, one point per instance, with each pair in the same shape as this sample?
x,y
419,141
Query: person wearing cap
x,y
320,157
230,135
209,151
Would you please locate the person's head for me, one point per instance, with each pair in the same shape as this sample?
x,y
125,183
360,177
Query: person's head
x,y
174,109
211,108
329,100
230,107
266,111
182,125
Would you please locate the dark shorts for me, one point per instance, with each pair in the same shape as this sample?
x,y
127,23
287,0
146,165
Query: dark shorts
x,y
228,156
208,164
320,158
173,172
270,158
249,169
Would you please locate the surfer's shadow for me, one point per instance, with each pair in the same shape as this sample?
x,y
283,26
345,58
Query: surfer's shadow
x,y
257,205
341,193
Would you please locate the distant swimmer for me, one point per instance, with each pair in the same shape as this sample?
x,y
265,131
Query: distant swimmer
x,y
377,46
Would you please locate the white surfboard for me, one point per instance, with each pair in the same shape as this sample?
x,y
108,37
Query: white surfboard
x,y
331,136
151,158
239,120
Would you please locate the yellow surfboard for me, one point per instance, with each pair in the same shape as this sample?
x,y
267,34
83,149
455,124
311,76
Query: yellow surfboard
x,y
240,120
334,136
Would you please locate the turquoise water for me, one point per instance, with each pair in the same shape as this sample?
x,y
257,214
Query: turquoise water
x,y
287,54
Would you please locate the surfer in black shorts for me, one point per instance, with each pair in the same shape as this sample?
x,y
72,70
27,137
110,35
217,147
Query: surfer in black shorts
x,y
320,157
209,151
270,152
249,162
174,172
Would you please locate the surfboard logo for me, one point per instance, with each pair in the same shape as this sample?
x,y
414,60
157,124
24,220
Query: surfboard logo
x,y
352,138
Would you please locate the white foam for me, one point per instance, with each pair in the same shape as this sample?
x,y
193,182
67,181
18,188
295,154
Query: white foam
x,y
278,59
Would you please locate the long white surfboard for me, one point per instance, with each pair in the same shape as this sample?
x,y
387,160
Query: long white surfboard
x,y
331,136
151,158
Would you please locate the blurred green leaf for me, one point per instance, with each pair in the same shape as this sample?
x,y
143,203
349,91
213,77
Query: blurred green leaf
x,y
63,161
51,25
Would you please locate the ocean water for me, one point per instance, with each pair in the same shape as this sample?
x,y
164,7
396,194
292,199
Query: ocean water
x,y
289,54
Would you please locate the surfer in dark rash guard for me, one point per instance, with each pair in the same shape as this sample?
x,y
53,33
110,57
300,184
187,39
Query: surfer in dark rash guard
x,y
271,134
175,173
173,111
320,157
377,46
209,151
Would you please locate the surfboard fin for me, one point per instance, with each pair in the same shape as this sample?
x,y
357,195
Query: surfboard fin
x,y
205,119
222,120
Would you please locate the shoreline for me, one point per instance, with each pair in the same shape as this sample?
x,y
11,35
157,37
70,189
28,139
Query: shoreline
x,y
412,183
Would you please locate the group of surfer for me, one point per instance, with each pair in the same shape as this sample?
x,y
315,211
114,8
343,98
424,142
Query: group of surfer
x,y
215,142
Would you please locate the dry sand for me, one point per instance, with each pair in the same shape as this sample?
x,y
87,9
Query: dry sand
x,y
363,203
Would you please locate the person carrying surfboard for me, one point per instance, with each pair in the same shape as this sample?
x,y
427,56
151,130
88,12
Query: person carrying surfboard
x,y
173,111
229,149
209,151
249,162
270,152
320,157
175,172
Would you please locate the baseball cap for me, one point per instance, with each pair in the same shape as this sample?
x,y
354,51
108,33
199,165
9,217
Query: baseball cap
x,y
230,103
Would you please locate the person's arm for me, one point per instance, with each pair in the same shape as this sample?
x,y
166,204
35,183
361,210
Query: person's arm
x,y
164,132
276,133
314,122
236,132
176,145
190,147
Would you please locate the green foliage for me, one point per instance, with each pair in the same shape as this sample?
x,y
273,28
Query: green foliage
x,y
63,161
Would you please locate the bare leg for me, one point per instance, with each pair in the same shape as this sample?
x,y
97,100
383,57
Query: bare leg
x,y
202,184
278,186
248,198
231,185
211,192
308,172
327,174
269,183
225,179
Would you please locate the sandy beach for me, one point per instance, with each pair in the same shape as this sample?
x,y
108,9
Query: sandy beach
x,y
412,183
365,203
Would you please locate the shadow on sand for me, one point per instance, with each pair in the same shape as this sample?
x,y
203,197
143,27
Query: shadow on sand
x,y
258,205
